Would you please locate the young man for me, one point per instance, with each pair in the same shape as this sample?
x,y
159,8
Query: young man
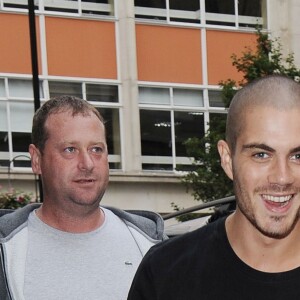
x,y
255,252
69,247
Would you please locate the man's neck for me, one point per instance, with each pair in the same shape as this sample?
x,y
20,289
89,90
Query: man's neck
x,y
85,221
261,252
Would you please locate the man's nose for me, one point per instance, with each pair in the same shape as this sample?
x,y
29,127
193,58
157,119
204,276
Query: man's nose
x,y
281,173
85,161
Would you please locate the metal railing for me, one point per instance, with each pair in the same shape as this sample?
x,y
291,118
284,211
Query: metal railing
x,y
226,200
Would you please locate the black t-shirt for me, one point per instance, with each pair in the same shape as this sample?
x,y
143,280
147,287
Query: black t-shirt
x,y
202,265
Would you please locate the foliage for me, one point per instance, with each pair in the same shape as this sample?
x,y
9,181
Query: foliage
x,y
13,199
208,180
187,216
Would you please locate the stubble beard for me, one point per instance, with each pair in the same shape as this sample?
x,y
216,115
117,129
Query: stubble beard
x,y
247,209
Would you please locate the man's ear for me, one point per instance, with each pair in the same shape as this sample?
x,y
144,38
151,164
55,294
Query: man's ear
x,y
226,158
35,155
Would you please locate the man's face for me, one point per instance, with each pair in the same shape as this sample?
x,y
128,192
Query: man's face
x,y
74,163
265,169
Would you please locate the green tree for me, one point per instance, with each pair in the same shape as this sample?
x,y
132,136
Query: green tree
x,y
208,180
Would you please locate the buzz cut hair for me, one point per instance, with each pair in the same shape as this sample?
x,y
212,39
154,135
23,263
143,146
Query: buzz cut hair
x,y
274,91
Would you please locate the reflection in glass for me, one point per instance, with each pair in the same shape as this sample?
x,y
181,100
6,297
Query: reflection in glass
x,y
250,9
21,141
151,95
57,88
215,99
4,161
185,11
112,127
150,9
21,116
102,93
156,133
222,7
2,88
188,97
187,125
22,88
217,122
91,7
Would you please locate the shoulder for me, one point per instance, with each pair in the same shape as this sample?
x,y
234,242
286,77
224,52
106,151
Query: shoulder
x,y
181,248
146,222
10,220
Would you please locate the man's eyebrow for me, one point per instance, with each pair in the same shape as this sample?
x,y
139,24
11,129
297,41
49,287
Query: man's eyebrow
x,y
266,147
258,146
296,149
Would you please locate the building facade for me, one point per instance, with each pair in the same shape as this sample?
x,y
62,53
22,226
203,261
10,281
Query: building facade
x,y
152,68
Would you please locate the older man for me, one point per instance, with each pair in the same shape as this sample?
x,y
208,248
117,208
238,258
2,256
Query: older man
x,y
69,247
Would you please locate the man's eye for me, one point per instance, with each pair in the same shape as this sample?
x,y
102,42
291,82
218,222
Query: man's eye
x,y
97,149
69,149
296,157
261,155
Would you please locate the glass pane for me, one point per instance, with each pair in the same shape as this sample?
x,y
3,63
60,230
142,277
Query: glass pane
x,y
157,167
215,99
97,7
4,154
3,141
20,88
217,122
65,88
224,9
188,97
16,4
22,161
156,132
150,9
21,143
185,11
62,6
3,116
250,8
112,127
2,88
250,13
102,93
187,125
21,116
150,95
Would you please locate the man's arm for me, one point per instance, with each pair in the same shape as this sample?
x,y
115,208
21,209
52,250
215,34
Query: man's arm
x,y
143,287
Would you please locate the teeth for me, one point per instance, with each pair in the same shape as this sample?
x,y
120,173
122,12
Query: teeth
x,y
277,198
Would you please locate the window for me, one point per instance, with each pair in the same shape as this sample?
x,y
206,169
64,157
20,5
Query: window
x,y
17,110
188,97
90,7
166,122
113,139
217,120
185,11
2,88
57,88
237,13
102,93
223,12
215,98
149,9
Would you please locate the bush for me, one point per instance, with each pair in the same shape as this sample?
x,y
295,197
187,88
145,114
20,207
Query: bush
x,y
13,199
